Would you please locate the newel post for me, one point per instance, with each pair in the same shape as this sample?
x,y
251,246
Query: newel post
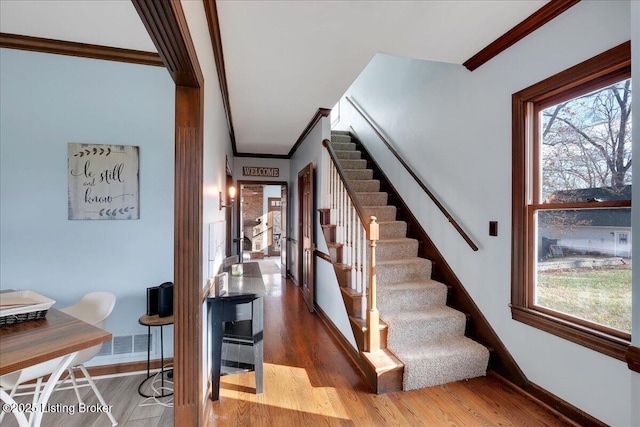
x,y
373,317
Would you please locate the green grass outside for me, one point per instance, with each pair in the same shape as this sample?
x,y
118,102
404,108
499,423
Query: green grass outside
x,y
598,295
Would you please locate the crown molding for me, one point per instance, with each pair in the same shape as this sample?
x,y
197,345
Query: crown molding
x,y
536,20
83,50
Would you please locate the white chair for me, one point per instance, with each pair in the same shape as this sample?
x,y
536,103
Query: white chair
x,y
12,380
93,308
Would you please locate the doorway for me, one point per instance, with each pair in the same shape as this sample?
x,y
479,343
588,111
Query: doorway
x,y
306,234
262,221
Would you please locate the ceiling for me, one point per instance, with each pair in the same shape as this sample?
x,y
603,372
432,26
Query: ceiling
x,y
285,59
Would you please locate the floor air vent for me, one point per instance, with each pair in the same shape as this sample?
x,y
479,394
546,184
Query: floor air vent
x,y
128,344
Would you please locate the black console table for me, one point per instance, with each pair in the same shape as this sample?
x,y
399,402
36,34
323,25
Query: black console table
x,y
242,302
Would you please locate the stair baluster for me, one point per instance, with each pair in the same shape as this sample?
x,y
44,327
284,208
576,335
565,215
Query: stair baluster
x,y
357,233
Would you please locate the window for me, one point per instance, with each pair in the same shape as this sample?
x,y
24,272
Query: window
x,y
571,270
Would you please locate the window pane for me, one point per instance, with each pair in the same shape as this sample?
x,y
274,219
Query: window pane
x,y
586,144
583,265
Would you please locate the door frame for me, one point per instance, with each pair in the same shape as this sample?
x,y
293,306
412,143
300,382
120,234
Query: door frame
x,y
304,221
239,184
270,251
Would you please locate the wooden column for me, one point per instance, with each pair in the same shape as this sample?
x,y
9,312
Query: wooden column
x,y
188,231
167,26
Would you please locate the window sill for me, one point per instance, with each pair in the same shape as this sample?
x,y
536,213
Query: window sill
x,y
598,341
633,358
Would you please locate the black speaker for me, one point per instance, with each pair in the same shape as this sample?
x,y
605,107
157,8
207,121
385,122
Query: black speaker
x,y
152,301
165,299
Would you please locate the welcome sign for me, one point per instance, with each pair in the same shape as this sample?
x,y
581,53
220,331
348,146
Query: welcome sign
x,y
257,171
103,181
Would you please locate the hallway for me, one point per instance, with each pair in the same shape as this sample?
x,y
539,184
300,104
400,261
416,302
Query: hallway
x,y
309,381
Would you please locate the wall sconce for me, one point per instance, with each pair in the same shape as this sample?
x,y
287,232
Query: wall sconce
x,y
232,197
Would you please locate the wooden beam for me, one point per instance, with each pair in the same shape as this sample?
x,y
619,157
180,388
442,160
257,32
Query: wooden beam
x,y
167,26
543,15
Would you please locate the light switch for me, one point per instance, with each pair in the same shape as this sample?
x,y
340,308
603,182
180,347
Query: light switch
x,y
493,228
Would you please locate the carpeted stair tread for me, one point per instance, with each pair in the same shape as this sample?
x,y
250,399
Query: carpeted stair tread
x,y
398,248
392,229
348,154
382,213
353,174
413,295
423,325
353,163
365,185
403,270
439,362
336,137
377,198
344,146
425,334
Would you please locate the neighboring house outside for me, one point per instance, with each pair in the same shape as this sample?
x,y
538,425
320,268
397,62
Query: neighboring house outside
x,y
587,231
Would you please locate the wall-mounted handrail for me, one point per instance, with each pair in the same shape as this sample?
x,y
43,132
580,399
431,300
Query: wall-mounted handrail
x,y
433,198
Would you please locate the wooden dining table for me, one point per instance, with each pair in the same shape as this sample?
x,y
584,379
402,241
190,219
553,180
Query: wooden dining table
x,y
31,342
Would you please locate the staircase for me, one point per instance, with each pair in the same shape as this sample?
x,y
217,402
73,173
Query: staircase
x,y
423,340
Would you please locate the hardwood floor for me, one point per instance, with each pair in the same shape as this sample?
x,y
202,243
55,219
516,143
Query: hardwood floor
x,y
119,392
309,381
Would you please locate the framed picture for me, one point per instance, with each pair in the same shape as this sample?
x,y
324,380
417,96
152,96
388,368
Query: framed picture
x,y
103,181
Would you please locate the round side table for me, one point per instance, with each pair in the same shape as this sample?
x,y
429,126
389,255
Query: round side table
x,y
149,322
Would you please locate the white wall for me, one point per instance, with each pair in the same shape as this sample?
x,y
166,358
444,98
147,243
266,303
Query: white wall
x,y
327,289
48,101
454,127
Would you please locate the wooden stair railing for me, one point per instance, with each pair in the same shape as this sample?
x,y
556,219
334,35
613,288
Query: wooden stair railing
x,y
424,188
354,233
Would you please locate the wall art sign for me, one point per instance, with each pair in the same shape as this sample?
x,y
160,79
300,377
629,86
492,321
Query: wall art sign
x,y
103,181
255,171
